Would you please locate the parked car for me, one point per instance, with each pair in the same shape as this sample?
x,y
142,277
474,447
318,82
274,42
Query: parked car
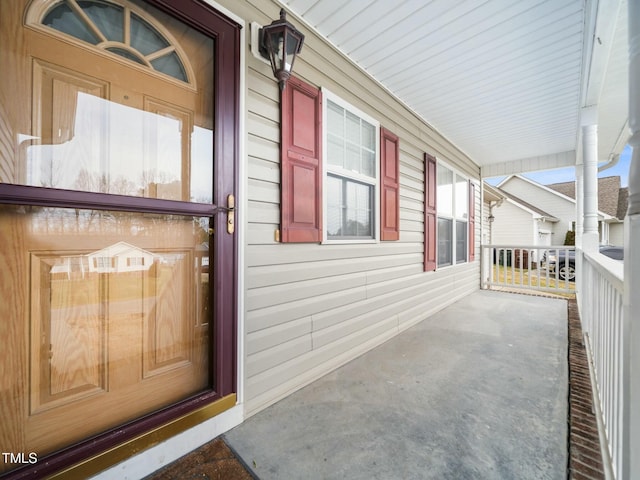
x,y
617,253
564,260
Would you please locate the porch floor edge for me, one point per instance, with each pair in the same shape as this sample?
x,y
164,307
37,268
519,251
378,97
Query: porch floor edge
x,y
585,457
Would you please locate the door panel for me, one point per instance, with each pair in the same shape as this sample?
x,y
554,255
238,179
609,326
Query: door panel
x,y
67,344
114,332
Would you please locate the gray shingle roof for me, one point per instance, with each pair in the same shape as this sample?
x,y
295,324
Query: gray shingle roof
x,y
610,195
623,202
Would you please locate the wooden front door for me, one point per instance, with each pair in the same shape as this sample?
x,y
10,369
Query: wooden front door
x,y
107,219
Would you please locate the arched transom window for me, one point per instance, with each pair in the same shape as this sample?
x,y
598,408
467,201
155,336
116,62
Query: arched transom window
x,y
116,28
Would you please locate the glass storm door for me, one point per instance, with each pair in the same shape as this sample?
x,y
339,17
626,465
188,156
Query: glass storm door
x,y
107,221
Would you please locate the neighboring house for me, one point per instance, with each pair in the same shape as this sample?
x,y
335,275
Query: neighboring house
x,y
512,221
612,202
528,213
304,226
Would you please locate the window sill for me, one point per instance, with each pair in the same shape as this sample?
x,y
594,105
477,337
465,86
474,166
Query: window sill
x,y
353,241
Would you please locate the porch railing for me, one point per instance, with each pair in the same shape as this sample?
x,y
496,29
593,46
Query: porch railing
x,y
600,299
525,267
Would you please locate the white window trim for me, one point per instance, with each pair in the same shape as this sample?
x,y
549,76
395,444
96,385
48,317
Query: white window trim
x,y
326,169
453,217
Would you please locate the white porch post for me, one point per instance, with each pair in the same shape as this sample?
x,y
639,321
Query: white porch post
x,y
579,203
632,255
590,240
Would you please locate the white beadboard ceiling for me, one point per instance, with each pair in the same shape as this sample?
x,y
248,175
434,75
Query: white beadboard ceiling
x,y
504,80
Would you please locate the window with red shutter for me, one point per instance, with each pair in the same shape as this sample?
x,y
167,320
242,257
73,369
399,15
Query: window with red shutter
x,y
430,238
361,175
301,170
352,140
390,186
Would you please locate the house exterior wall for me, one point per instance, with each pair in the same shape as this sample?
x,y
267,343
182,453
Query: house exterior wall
x,y
312,307
616,234
512,225
486,227
562,209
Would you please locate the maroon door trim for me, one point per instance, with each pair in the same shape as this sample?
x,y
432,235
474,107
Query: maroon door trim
x,y
58,198
226,34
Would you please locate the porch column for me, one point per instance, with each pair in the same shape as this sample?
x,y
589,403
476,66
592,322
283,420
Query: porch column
x,y
579,203
632,255
590,239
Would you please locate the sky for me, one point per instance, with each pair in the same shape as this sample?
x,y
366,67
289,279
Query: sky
x,y
568,174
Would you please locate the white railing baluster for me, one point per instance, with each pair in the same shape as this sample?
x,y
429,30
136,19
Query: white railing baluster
x,y
522,267
600,301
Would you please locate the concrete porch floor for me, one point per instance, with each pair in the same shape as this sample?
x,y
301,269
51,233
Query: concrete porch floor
x,y
476,391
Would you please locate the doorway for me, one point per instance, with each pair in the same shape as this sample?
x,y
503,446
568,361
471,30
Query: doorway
x,y
113,211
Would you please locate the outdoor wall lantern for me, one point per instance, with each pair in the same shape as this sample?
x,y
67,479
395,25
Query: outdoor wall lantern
x,y
280,42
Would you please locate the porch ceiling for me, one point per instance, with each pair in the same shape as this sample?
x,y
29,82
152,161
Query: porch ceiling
x,y
504,80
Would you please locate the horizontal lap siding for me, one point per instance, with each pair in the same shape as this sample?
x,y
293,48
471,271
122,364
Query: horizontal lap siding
x,y
309,307
512,226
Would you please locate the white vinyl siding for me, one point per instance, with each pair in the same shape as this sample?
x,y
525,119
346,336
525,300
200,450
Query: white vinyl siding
x,y
616,234
561,208
312,307
512,225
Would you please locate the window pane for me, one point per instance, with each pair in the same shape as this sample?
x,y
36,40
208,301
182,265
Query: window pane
x,y
335,206
462,197
144,37
335,151
358,209
369,163
63,19
350,141
352,128
171,65
368,136
126,54
108,18
335,119
445,241
349,209
445,191
352,158
461,242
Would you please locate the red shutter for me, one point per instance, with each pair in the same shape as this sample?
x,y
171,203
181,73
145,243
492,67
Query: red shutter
x,y
301,170
430,238
390,188
472,220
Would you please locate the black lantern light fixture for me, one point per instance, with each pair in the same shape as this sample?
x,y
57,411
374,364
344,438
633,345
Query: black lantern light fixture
x,y
280,42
